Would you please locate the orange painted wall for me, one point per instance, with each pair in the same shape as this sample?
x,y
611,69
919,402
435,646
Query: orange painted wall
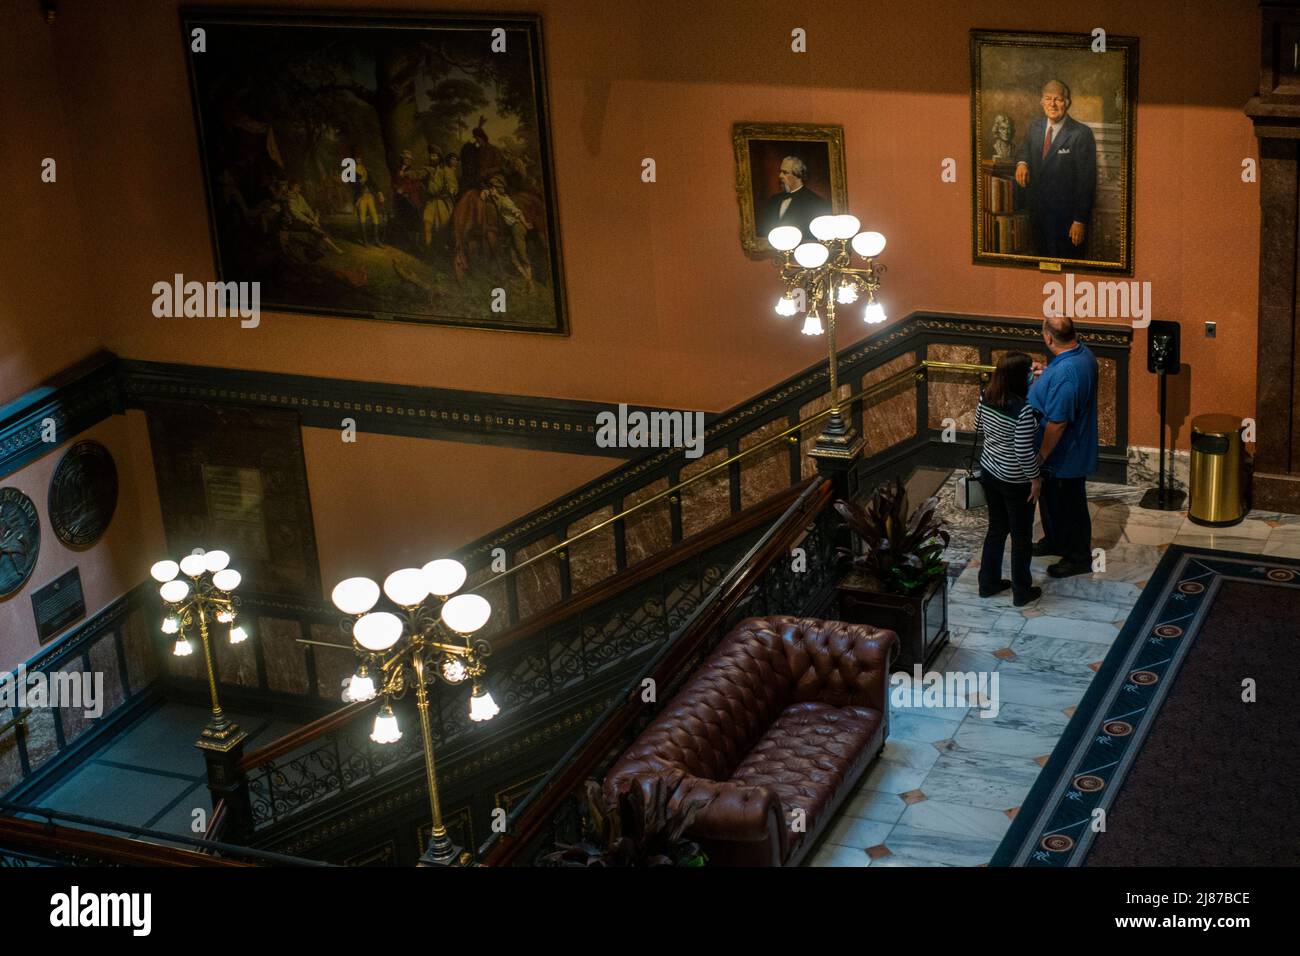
x,y
662,299
46,319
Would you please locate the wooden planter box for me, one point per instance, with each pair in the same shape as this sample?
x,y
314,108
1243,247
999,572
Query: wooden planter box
x,y
919,620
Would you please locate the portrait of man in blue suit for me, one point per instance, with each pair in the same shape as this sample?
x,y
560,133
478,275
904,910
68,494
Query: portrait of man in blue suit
x,y
1056,165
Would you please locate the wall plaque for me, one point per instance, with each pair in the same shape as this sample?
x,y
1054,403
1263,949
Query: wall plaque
x,y
58,604
236,479
20,539
83,494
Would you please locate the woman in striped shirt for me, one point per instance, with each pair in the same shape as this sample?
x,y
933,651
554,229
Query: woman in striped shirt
x,y
1010,476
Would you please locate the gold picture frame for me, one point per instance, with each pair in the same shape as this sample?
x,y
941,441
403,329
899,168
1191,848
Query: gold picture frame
x,y
760,149
1032,224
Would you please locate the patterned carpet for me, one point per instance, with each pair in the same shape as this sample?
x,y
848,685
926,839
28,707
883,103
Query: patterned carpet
x,y
1180,754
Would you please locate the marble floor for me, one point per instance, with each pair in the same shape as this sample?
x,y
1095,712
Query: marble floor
x,y
950,781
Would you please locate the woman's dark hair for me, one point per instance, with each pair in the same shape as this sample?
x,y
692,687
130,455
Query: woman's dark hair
x,y
1010,382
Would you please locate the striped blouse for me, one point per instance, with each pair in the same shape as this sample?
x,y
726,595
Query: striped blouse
x,y
1010,442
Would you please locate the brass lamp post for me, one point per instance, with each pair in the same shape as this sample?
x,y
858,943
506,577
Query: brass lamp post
x,y
207,598
818,274
416,648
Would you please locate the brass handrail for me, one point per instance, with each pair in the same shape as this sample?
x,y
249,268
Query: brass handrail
x,y
917,371
15,721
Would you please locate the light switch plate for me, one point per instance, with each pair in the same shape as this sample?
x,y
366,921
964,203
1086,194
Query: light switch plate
x,y
1211,329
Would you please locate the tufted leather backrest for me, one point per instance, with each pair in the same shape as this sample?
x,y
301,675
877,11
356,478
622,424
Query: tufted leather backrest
x,y
760,668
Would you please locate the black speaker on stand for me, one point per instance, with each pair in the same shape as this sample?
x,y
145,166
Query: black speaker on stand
x,y
1163,360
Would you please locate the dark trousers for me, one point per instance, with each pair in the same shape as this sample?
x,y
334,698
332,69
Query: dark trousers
x,y
1010,512
1067,526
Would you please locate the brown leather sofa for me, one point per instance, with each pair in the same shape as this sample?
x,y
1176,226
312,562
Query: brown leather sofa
x,y
785,716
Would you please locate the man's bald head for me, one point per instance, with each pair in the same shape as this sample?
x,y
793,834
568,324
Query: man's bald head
x,y
1060,329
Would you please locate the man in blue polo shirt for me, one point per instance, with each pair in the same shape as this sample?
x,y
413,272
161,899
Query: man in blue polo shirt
x,y
1065,397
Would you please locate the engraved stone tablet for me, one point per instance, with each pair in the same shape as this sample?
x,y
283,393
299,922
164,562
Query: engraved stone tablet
x,y
58,604
83,494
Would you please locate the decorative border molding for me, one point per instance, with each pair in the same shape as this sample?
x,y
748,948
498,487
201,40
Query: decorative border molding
x,y
489,418
76,399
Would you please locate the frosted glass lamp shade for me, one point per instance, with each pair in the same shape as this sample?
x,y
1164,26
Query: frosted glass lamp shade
x,y
823,227
174,591
226,579
164,571
466,613
846,294
192,565
386,730
406,587
786,305
810,255
812,324
874,313
784,238
482,706
238,635
868,244
377,631
846,226
183,648
355,595
444,576
360,687
171,625
216,561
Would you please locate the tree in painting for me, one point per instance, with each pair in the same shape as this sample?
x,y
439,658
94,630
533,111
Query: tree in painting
x,y
381,170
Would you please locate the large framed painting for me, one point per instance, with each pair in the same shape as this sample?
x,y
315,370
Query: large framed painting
x,y
787,174
380,167
1052,128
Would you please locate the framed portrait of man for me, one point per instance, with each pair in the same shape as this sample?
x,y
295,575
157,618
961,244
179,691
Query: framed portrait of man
x,y
1052,129
383,167
786,175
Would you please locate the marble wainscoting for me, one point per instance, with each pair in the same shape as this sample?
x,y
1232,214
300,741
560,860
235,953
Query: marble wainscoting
x,y
950,780
952,395
889,417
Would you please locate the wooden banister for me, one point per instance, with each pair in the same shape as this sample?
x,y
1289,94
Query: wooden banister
x,y
49,839
595,746
752,517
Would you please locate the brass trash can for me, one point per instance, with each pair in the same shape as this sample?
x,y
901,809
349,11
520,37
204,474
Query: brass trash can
x,y
1217,489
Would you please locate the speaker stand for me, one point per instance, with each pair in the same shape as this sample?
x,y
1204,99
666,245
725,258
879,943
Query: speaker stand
x,y
1164,497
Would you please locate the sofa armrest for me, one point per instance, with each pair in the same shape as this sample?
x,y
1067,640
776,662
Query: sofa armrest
x,y
741,825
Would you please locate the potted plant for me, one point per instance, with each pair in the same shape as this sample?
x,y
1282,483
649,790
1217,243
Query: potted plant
x,y
898,578
644,826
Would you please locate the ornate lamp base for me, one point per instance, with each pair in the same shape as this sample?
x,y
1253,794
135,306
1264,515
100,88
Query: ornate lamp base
x,y
220,735
441,851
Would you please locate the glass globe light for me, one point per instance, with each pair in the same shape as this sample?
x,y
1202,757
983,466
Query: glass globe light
x,y
874,313
453,669
406,587
214,561
481,705
466,613
355,595
810,255
868,244
784,238
173,592
171,624
823,228
360,687
192,565
238,635
846,294
812,325
183,647
846,226
386,730
444,576
164,571
786,305
377,631
226,580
